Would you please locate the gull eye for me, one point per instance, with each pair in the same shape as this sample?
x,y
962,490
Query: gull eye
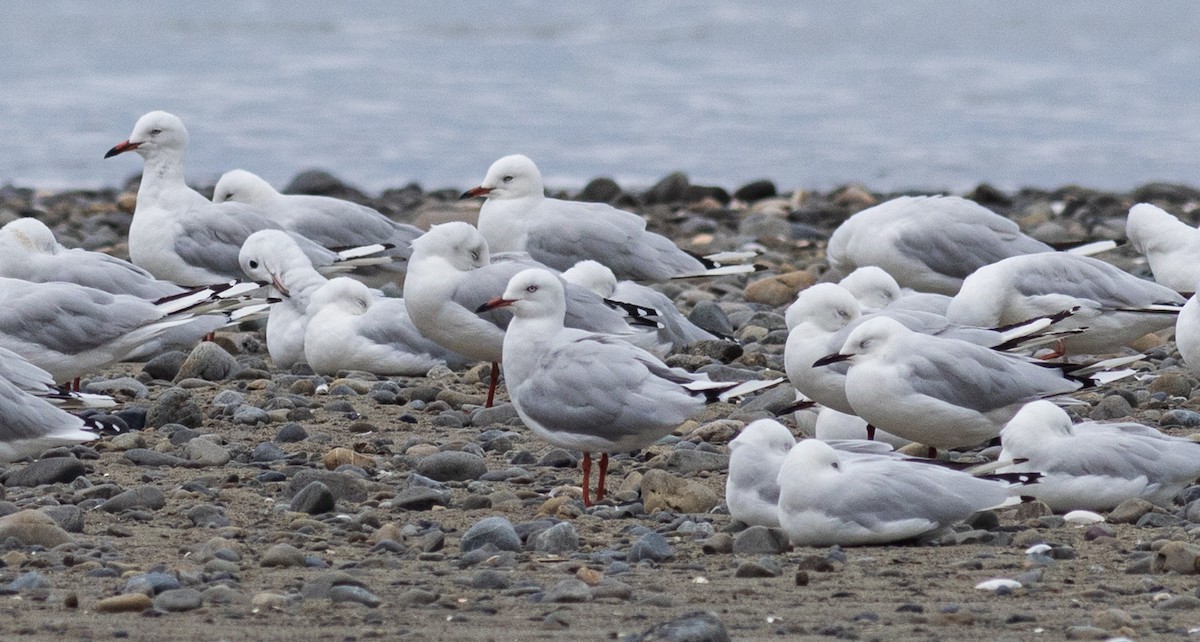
x,y
531,289
254,265
155,132
474,255
835,466
228,196
508,179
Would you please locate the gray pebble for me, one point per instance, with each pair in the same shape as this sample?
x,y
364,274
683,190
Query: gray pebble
x,y
178,600
141,497
1129,511
344,487
452,465
250,415
175,406
420,498
496,530
558,458
151,583
69,518
491,580
498,414
354,595
710,316
208,361
698,626
291,433
762,567
314,499
267,452
559,539
146,457
694,461
282,556
1181,417
54,470
27,581
761,540
126,386
165,366
202,453
651,546
568,591
208,516
1111,407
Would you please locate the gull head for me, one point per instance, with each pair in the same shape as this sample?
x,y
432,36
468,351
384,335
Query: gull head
x,y
828,306
345,294
763,436
870,339
267,255
532,294
458,243
1038,419
872,286
809,457
594,276
31,234
241,186
510,177
155,132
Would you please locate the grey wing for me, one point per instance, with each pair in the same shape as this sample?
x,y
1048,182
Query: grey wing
x,y
212,238
17,370
587,310
68,318
23,416
1087,278
483,284
676,328
336,223
974,377
1099,449
108,273
593,387
957,249
565,232
886,490
387,323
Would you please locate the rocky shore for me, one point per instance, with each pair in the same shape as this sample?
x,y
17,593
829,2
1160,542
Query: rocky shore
x,y
249,502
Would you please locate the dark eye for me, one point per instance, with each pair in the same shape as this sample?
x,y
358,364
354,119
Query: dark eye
x,y
254,264
228,197
155,132
835,466
531,289
508,179
474,255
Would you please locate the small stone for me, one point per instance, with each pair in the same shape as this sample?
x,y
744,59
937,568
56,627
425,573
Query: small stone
x,y
208,516
314,499
291,433
165,366
1129,511
589,576
1180,417
27,581
202,453
718,544
267,452
69,518
496,530
1180,603
761,540
126,603
651,546
417,597
779,290
559,539
420,498
141,497
452,465
568,591
175,406
1083,632
755,191
1111,407
178,600
663,491
1172,383
345,487
685,462
151,458
345,456
762,567
208,361
32,528
354,595
1177,557
269,601
698,626
122,386
498,414
54,470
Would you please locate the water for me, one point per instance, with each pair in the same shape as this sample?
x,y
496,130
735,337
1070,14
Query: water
x,y
813,94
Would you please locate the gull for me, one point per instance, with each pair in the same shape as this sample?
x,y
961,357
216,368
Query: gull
x,y
1187,334
180,236
1116,307
451,274
70,330
1093,465
518,217
676,331
1169,245
931,243
834,425
947,393
593,392
30,424
755,457
876,289
272,256
828,498
350,328
330,222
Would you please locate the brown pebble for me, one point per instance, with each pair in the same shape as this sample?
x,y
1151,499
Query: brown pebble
x,y
780,289
71,601
589,576
340,456
126,603
801,578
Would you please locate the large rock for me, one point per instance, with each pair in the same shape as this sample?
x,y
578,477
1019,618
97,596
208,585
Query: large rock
x,y
207,361
54,470
175,406
663,491
33,528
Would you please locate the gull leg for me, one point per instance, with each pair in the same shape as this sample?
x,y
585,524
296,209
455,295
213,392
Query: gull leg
x,y
492,386
587,472
1060,350
870,432
75,385
603,473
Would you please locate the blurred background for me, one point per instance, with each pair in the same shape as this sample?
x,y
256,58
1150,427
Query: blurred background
x,y
813,94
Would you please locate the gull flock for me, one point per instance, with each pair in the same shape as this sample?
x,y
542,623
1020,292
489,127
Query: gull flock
x,y
940,329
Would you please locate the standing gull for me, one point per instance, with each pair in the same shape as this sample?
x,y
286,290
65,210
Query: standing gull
x,y
518,217
592,392
945,393
1094,465
1115,306
1187,333
177,234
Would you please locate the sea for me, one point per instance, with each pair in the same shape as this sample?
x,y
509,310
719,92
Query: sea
x,y
892,95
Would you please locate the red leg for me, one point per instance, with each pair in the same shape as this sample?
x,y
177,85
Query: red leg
x,y
210,336
75,385
492,386
932,452
1060,350
587,472
603,474
870,432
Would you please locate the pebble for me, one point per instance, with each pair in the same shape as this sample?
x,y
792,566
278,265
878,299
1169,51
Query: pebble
x,y
697,626
663,491
354,595
452,465
202,453
559,539
779,290
165,366
207,361
141,497
54,470
420,498
314,499
1177,557
1129,511
762,567
652,547
33,528
174,406
27,581
1180,417
760,540
127,603
178,600
571,590
145,457
496,531
343,486
291,433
